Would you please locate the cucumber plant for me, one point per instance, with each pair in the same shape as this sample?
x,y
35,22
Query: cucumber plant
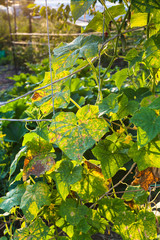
x,y
94,124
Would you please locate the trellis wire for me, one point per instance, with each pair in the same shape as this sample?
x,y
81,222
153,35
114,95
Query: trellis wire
x,y
25,120
49,51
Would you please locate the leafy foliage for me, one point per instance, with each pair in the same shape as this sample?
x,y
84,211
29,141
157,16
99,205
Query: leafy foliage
x,y
100,119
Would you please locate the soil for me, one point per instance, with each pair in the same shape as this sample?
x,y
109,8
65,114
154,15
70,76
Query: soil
x,y
6,71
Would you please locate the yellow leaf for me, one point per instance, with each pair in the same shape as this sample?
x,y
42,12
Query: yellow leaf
x,y
128,138
121,130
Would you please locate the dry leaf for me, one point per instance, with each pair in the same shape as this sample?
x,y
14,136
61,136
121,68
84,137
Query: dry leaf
x,y
146,177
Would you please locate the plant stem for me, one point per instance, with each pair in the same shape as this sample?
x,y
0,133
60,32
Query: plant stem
x,y
32,179
148,21
109,14
76,104
153,86
109,66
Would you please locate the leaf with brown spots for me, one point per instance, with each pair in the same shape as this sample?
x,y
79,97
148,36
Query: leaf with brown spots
x,y
74,134
38,165
40,155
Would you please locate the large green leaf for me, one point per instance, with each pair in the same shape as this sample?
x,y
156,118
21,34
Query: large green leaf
x,y
91,187
81,236
37,230
145,5
81,47
155,22
14,131
34,198
12,198
155,104
112,156
109,104
136,194
119,77
79,7
143,228
72,213
126,223
115,210
96,24
126,107
148,123
133,56
67,228
66,175
74,134
152,51
148,156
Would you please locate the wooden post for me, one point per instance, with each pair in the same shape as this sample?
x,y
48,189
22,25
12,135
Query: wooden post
x,y
30,25
30,31
15,20
13,48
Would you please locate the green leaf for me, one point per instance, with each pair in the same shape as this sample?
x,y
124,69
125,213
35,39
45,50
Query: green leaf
x,y
135,193
155,22
79,7
37,230
65,176
34,198
119,77
126,107
139,19
112,156
155,104
133,56
96,24
148,123
148,156
18,156
12,198
109,104
81,47
81,236
83,226
114,210
74,134
97,222
152,51
91,187
125,222
145,5
42,130
147,101
72,213
67,228
14,131
143,228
